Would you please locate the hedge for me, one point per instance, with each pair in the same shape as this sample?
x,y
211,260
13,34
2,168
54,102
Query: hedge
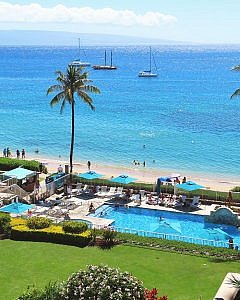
x,y
7,164
74,227
38,222
53,234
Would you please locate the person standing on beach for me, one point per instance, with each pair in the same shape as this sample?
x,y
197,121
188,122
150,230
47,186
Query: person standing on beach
x,y
23,153
18,154
4,152
89,165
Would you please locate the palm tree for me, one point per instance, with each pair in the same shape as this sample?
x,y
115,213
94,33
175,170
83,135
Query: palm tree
x,y
237,92
74,82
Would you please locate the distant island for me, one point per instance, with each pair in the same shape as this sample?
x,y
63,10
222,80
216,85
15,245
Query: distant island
x,y
58,38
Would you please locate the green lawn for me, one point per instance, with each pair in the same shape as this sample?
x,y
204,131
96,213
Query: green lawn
x,y
181,277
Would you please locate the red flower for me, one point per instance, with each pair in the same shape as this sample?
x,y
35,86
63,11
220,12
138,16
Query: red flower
x,y
152,295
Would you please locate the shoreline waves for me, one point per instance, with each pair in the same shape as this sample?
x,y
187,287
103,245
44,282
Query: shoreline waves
x,y
142,174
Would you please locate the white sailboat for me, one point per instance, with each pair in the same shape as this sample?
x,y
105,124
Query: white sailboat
x,y
78,62
149,72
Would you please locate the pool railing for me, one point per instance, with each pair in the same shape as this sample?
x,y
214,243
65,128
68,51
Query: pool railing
x,y
166,236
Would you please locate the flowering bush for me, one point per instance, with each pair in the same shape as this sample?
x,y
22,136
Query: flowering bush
x,y
97,282
153,295
102,282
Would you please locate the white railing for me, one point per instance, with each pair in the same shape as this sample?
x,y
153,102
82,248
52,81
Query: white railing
x,y
172,237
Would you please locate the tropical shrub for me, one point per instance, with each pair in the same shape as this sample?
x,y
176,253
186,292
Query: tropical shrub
x,y
108,236
38,222
102,282
5,221
74,227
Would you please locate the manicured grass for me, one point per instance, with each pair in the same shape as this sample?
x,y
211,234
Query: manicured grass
x,y
181,277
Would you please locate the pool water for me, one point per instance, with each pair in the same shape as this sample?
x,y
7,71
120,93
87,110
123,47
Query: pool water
x,y
168,223
16,208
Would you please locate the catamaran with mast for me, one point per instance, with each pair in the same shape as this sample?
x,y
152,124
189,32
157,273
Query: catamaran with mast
x,y
78,62
105,66
149,72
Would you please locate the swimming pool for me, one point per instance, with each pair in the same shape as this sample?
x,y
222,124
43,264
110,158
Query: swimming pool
x,y
16,208
169,225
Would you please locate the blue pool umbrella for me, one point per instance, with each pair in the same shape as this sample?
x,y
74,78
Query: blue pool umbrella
x,y
90,175
190,186
166,179
124,179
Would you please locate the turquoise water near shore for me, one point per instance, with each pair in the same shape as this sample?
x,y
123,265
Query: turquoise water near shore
x,y
183,117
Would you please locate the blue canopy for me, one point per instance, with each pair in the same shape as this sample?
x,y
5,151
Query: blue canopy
x,y
19,173
90,175
124,179
165,179
190,186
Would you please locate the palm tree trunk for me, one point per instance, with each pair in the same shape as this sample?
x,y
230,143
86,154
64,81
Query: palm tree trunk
x,y
72,140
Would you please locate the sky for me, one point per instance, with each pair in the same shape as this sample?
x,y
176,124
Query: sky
x,y
203,21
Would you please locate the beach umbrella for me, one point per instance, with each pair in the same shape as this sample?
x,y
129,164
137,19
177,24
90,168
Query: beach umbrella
x,y
90,175
190,186
165,179
124,179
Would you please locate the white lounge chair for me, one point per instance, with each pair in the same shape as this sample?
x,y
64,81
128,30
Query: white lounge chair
x,y
111,191
85,189
195,202
143,194
78,188
119,193
137,199
102,192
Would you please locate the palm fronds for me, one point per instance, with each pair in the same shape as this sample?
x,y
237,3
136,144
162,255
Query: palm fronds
x,y
234,281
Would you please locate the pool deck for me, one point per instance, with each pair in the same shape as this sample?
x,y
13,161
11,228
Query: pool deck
x,y
80,211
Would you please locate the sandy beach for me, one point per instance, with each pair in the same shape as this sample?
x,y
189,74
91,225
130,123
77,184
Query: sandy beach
x,y
142,174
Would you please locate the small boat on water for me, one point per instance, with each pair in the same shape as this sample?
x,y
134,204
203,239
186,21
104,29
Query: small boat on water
x,y
149,72
78,62
105,66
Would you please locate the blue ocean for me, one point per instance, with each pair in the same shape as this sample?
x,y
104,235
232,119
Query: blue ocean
x,y
181,120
